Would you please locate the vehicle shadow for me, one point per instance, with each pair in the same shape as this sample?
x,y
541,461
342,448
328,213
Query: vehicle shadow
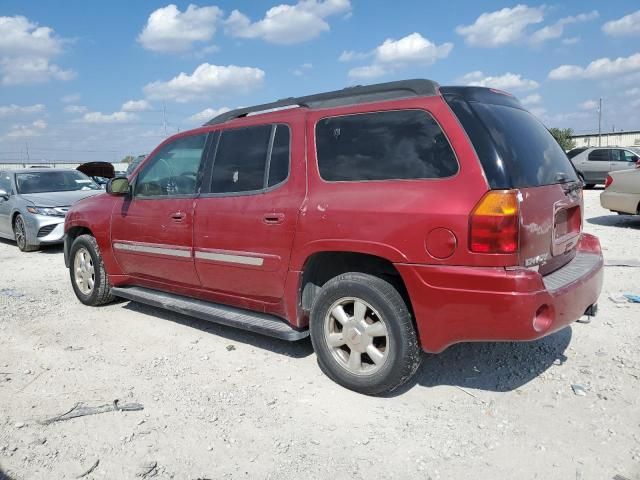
x,y
298,349
492,366
615,220
56,248
4,476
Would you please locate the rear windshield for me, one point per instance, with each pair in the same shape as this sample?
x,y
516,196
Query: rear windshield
x,y
39,182
515,149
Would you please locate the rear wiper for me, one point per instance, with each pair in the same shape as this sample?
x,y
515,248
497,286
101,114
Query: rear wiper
x,y
569,185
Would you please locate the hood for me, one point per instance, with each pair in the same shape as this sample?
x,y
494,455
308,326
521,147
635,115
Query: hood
x,y
58,199
98,169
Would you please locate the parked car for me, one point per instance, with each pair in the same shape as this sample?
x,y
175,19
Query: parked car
x,y
100,172
594,163
34,201
622,192
338,220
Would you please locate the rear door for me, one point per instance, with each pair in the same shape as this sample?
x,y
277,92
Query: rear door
x,y
597,165
152,231
518,152
244,227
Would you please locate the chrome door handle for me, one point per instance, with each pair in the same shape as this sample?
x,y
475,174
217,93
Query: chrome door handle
x,y
178,216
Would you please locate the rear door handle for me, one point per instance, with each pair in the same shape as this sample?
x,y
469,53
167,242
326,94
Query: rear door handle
x,y
178,216
273,218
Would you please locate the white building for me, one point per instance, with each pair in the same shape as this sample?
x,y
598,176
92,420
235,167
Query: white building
x,y
617,139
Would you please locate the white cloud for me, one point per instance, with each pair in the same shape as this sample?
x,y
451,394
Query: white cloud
x,y
368,71
207,114
206,81
22,131
13,109
538,111
302,69
350,55
627,25
393,54
71,98
570,40
557,29
501,27
509,81
26,51
115,117
135,106
588,105
600,68
169,30
288,24
633,91
532,99
75,109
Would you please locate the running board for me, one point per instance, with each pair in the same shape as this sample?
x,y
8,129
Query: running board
x,y
213,312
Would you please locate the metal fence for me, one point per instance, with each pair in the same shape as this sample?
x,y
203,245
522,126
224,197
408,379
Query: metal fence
x,y
16,166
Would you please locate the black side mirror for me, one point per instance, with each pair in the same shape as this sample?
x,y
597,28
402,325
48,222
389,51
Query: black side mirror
x,y
4,194
118,186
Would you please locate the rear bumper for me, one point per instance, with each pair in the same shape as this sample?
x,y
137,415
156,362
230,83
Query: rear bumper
x,y
466,304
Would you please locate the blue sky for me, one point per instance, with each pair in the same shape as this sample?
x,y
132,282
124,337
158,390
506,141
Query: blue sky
x,y
90,80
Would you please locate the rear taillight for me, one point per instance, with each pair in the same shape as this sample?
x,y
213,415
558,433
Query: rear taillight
x,y
494,223
608,181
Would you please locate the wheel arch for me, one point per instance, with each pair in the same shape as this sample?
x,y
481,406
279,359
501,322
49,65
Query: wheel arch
x,y
70,235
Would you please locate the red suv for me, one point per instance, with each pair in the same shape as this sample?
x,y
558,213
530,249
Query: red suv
x,y
379,220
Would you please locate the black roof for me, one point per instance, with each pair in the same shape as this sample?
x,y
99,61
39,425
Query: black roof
x,y
346,96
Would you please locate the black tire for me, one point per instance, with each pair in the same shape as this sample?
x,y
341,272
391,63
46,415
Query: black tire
x,y
21,237
100,293
403,354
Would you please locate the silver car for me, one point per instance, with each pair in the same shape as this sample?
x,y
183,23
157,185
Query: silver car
x,y
34,202
594,163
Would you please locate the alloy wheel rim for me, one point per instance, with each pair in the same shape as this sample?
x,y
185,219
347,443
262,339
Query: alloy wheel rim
x,y
84,271
20,233
357,336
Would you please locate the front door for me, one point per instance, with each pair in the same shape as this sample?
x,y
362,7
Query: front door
x,y
5,205
152,230
244,227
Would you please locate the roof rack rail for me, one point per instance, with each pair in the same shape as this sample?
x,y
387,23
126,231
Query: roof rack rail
x,y
346,96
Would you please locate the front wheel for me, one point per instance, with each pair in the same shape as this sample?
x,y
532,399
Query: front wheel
x,y
88,276
363,335
20,234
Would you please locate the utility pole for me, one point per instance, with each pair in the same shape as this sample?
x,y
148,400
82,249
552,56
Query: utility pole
x,y
600,123
164,118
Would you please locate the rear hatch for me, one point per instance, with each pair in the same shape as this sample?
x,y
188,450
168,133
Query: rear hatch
x,y
517,152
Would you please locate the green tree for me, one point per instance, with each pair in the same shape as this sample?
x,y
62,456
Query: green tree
x,y
563,137
127,159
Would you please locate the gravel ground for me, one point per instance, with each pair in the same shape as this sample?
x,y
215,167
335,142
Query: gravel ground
x,y
221,403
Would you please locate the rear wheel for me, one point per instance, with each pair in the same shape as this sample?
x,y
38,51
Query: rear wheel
x,y
20,234
88,276
363,335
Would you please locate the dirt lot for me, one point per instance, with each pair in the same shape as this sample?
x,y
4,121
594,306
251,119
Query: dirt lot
x,y
220,403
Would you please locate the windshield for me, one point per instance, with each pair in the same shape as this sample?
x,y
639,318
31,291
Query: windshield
x,y
56,181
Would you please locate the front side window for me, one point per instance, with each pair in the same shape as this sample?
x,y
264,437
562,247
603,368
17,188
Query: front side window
x,y
394,145
251,159
54,181
5,182
173,170
600,155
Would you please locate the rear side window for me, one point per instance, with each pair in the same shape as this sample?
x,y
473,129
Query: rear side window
x,y
575,151
599,156
250,159
516,150
396,145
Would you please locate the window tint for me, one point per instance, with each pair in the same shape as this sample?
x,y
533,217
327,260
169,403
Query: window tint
x,y
383,146
629,156
599,155
279,164
524,147
5,182
575,151
240,161
173,170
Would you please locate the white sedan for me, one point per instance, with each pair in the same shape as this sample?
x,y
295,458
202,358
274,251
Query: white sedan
x,y
622,192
